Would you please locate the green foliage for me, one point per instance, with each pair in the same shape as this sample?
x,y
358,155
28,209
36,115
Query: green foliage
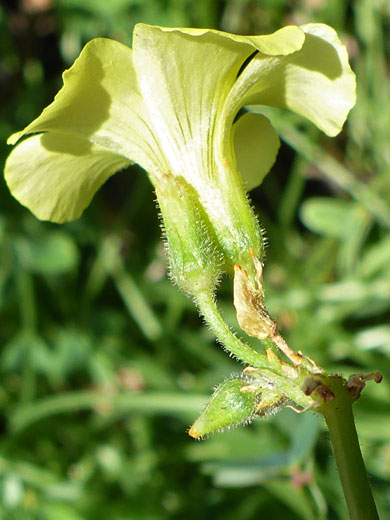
x,y
104,364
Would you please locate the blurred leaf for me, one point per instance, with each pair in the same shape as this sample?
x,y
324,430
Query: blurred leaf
x,y
26,346
374,337
51,254
147,403
60,512
328,216
294,498
376,258
305,437
102,7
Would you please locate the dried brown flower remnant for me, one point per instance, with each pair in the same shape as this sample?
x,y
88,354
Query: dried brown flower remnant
x,y
252,315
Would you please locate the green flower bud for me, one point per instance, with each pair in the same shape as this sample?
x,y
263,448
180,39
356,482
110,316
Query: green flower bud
x,y
230,405
194,260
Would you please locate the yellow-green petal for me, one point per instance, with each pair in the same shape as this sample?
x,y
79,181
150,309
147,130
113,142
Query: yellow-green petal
x,y
185,76
56,175
184,80
256,145
100,102
284,41
315,82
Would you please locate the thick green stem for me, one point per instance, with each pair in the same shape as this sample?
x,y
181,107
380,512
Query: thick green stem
x,y
339,419
234,345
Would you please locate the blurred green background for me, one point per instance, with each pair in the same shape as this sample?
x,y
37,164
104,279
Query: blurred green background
x,y
104,364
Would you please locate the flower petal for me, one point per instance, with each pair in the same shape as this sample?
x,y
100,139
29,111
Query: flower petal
x,y
284,41
56,175
315,82
256,145
101,103
185,76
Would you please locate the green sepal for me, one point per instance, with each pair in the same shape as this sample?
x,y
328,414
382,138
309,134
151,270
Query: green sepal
x,y
194,259
230,405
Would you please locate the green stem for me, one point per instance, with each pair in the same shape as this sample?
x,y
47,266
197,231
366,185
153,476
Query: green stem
x,y
290,388
339,419
231,343
289,384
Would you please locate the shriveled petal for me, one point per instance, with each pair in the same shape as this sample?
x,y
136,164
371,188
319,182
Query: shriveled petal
x,y
100,102
185,76
315,82
56,175
256,145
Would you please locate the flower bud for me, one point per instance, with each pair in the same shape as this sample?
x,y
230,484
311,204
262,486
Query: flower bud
x,y
230,405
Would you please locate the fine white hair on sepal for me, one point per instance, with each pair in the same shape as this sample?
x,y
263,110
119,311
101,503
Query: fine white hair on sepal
x,y
261,229
205,252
